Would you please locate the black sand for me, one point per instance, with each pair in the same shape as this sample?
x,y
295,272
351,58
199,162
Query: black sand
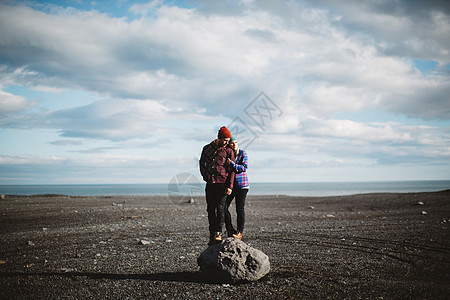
x,y
373,246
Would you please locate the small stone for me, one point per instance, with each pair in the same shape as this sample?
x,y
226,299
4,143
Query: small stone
x,y
424,212
2,196
169,241
310,207
67,270
191,201
144,242
330,216
2,262
420,203
30,243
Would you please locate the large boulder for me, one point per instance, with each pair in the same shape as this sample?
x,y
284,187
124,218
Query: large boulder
x,y
232,260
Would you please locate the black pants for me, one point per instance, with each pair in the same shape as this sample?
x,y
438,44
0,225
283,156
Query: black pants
x,y
240,195
215,206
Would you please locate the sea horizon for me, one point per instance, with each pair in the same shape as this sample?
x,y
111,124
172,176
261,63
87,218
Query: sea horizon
x,y
336,188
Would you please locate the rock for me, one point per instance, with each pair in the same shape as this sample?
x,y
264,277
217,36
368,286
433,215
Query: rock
x,y
67,270
310,207
144,242
233,261
2,196
420,203
424,212
30,243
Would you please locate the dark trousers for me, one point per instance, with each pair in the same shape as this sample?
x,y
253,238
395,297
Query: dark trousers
x,y
215,206
239,195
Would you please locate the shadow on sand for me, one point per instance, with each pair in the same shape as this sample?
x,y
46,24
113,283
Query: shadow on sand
x,y
194,277
186,277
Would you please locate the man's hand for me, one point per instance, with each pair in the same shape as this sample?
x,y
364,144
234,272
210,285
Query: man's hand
x,y
229,191
228,161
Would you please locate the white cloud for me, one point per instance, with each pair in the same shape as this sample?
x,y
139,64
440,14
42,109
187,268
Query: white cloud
x,y
109,119
10,103
401,28
29,160
356,131
326,140
90,168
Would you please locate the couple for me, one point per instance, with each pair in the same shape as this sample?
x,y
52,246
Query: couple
x,y
223,166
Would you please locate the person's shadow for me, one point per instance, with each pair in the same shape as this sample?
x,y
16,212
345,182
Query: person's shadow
x,y
195,277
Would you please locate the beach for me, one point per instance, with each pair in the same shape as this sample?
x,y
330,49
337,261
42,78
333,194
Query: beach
x,y
370,246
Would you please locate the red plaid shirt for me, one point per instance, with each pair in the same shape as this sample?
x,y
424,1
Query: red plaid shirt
x,y
212,164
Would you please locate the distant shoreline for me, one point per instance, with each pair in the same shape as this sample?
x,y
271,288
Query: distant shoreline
x,y
4,196
196,189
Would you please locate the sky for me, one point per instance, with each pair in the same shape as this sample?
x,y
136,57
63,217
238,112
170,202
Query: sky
x,y
121,92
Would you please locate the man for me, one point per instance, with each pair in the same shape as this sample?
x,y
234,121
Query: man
x,y
219,181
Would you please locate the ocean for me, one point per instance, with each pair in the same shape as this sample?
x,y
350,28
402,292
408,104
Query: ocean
x,y
197,189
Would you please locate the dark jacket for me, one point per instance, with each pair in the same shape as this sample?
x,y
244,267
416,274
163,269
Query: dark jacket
x,y
212,164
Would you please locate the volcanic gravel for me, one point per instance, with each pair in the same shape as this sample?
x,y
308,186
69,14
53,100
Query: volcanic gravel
x,y
369,246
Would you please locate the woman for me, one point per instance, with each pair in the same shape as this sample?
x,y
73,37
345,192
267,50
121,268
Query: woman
x,y
240,190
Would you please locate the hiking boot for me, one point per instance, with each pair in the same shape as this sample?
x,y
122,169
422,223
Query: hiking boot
x,y
238,235
217,237
231,232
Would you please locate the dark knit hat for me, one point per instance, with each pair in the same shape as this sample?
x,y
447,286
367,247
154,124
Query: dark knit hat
x,y
224,133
